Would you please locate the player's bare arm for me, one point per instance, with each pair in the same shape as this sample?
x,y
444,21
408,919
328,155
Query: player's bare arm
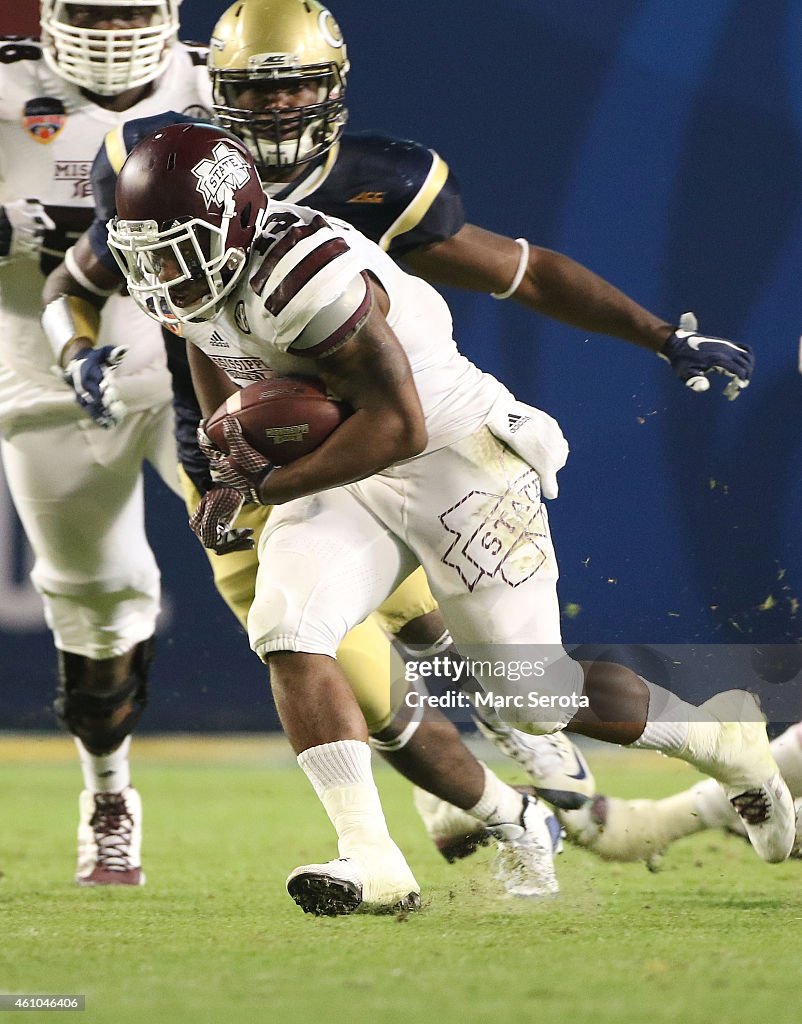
x,y
372,374
212,385
558,287
551,284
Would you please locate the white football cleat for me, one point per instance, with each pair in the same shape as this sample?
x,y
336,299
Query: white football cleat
x,y
345,885
526,851
526,848
735,751
110,839
557,768
736,827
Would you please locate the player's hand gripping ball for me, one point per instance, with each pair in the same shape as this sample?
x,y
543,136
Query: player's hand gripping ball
x,y
282,418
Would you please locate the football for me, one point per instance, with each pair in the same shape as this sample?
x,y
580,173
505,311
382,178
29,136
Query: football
x,y
283,417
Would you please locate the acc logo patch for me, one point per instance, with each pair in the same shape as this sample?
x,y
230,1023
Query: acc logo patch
x,y
218,179
43,118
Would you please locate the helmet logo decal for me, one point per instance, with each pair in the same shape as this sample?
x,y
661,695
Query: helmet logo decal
x,y
219,178
274,60
329,29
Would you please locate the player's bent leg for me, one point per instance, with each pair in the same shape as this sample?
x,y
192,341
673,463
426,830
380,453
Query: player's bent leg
x,y
100,702
467,805
558,770
324,564
726,738
618,829
323,723
502,591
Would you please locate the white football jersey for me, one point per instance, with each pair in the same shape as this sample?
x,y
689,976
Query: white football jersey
x,y
49,135
302,262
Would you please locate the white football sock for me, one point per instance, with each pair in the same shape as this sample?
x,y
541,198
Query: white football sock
x,y
667,721
105,773
499,803
341,776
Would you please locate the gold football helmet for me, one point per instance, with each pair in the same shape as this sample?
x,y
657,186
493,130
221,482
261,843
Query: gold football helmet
x,y
261,54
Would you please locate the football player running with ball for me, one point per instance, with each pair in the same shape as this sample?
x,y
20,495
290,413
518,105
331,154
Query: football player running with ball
x,y
290,113
76,486
427,456
421,742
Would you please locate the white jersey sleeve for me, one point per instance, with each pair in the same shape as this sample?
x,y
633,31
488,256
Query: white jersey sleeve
x,y
306,270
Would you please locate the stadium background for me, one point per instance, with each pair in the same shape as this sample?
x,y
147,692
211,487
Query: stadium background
x,y
656,141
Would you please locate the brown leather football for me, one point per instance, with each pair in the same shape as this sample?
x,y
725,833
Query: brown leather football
x,y
281,417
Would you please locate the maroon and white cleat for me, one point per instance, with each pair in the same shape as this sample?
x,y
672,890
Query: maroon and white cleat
x,y
110,839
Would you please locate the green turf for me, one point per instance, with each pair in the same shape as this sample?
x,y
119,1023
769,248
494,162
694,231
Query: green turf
x,y
213,937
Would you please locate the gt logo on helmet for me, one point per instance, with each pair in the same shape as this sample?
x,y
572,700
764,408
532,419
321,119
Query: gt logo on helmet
x,y
220,178
329,29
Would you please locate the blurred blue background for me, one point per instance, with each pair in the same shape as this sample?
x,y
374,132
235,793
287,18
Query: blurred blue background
x,y
658,142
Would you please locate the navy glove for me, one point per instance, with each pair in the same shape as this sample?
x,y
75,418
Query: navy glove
x,y
243,468
211,521
90,374
693,356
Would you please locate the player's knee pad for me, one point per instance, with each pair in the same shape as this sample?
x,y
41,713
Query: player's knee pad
x,y
90,715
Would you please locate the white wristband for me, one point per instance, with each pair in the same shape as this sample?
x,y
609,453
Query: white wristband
x,y
71,264
523,263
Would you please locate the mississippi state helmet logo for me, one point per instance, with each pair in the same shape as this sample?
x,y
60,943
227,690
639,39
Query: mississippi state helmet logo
x,y
220,177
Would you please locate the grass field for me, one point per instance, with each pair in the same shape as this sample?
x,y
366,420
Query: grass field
x,y
715,936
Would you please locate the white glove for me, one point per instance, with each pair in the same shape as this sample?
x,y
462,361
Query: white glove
x,y
535,436
23,223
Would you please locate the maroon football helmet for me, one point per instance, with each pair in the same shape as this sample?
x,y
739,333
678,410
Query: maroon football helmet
x,y
189,204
